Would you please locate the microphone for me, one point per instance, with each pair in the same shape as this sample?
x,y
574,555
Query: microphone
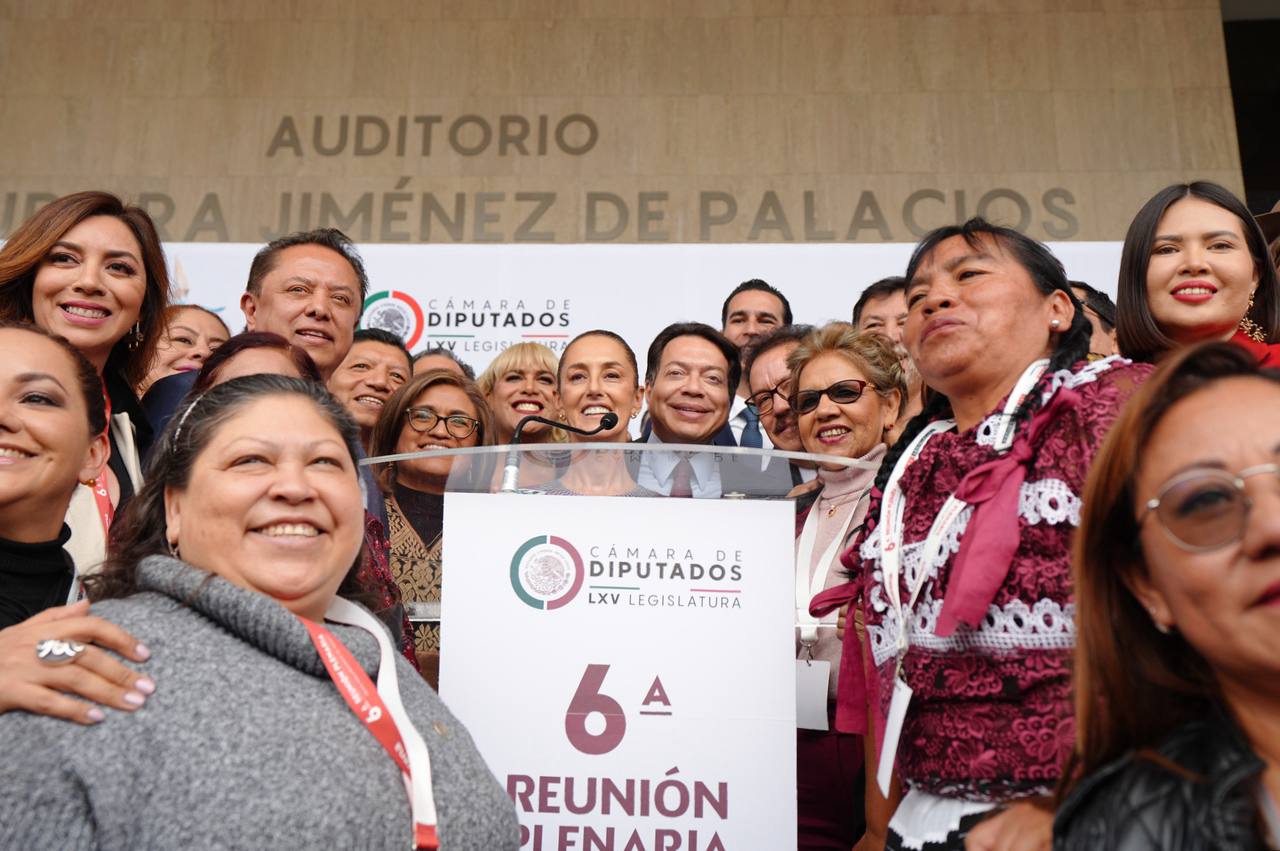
x,y
511,472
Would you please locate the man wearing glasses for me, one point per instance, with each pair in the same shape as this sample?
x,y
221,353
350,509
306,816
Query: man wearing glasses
x,y
768,388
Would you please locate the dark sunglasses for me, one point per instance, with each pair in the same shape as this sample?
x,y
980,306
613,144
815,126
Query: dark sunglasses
x,y
842,393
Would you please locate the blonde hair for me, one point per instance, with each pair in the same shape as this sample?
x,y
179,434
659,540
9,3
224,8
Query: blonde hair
x,y
868,352
522,356
519,356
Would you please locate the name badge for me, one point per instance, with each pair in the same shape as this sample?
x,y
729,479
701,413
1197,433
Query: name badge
x,y
812,679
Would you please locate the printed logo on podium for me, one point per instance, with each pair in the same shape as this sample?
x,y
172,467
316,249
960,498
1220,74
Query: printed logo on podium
x,y
397,312
547,572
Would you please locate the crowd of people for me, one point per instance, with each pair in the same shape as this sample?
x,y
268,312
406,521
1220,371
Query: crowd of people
x,y
1037,537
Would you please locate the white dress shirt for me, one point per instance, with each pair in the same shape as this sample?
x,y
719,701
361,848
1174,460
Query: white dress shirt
x,y
658,469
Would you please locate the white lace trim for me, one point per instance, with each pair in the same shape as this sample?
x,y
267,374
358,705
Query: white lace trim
x,y
1048,501
1044,625
1087,374
990,427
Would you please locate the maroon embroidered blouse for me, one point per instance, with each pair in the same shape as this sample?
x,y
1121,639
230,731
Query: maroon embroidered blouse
x,y
991,715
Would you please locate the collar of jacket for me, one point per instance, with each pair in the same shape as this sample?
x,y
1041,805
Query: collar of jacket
x,y
1219,799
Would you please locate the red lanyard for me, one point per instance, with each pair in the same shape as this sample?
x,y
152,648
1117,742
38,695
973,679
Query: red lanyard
x,y
363,698
101,495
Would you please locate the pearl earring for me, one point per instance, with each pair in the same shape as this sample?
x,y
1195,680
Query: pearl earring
x,y
1161,628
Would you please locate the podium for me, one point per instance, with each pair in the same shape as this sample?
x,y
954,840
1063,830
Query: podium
x,y
624,660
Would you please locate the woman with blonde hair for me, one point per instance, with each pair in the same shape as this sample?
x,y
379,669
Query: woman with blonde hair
x,y
521,382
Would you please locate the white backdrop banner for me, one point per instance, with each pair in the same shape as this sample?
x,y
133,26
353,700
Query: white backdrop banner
x,y
479,299
625,666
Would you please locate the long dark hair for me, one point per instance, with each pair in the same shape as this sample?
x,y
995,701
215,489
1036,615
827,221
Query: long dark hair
x,y
1048,275
142,529
1137,331
1133,684
29,245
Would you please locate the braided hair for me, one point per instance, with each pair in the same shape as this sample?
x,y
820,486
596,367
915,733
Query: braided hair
x,y
1046,272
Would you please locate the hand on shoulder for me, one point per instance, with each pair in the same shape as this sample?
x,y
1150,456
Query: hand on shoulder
x,y
32,685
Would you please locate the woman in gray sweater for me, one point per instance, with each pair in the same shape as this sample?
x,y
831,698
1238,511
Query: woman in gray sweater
x,y
230,565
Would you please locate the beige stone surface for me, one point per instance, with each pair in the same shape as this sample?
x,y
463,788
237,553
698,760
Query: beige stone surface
x,y
720,120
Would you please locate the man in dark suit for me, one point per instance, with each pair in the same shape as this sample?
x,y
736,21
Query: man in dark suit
x,y
690,376
751,311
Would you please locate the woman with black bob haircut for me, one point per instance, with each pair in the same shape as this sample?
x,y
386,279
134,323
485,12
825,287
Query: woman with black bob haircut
x,y
231,563
1196,267
961,575
1177,579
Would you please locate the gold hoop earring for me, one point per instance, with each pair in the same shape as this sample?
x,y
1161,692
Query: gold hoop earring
x,y
1249,328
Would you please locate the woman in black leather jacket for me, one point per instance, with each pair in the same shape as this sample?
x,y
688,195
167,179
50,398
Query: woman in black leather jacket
x,y
1178,652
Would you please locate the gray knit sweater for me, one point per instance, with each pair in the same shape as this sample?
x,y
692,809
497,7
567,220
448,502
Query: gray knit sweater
x,y
245,744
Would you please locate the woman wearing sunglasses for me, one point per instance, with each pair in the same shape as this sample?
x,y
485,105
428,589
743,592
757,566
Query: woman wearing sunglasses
x,y
964,562
438,409
847,392
1178,657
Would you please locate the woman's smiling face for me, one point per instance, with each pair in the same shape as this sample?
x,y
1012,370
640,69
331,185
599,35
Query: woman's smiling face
x,y
273,510
1200,274
596,378
45,445
90,286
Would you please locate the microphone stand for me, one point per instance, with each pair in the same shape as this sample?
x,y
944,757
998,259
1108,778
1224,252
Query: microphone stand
x,y
511,472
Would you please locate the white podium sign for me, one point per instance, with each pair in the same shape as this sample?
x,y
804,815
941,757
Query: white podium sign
x,y
626,666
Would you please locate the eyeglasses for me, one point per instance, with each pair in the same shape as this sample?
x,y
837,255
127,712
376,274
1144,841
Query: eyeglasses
x,y
1205,509
762,402
457,425
842,393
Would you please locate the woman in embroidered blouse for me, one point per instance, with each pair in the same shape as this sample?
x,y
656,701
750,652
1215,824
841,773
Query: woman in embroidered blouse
x,y
846,391
438,409
1000,454
1196,267
1178,663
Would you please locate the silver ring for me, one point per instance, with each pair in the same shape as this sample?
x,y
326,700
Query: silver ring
x,y
51,651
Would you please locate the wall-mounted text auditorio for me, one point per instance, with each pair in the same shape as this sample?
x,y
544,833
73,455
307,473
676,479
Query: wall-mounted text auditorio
x,y
463,121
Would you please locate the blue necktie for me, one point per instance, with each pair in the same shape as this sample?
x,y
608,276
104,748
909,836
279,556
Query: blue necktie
x,y
751,430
